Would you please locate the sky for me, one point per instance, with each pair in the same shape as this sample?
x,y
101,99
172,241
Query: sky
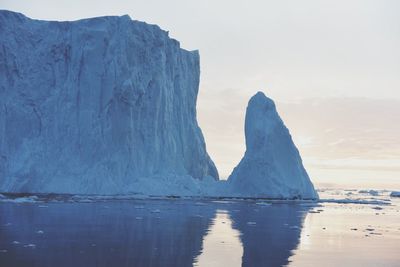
x,y
332,67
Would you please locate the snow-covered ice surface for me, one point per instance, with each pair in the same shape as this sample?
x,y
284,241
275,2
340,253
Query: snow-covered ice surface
x,y
104,105
272,166
184,232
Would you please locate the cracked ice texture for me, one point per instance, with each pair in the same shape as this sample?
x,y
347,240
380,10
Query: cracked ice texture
x,y
272,166
96,106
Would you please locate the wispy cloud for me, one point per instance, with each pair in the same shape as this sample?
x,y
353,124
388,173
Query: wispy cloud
x,y
342,128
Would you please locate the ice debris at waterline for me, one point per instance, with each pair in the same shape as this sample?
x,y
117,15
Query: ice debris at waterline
x,y
369,192
272,166
107,106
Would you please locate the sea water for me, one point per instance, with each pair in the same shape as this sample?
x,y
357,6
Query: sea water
x,y
57,231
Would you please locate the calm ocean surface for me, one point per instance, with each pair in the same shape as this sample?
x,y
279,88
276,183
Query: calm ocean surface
x,y
177,232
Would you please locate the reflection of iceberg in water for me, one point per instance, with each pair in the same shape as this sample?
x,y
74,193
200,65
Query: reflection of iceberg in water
x,y
221,246
149,233
269,233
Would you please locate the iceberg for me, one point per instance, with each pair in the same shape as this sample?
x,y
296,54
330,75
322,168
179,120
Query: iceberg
x,y
105,105
271,166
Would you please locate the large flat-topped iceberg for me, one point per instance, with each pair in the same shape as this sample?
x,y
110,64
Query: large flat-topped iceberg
x,y
98,106
272,166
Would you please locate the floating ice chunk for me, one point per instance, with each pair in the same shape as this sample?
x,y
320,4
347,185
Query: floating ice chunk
x,y
263,203
369,192
155,211
30,246
40,232
222,202
308,204
30,199
395,194
251,223
3,250
354,201
15,242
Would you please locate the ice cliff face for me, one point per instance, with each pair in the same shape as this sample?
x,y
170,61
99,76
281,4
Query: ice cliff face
x,y
271,166
102,105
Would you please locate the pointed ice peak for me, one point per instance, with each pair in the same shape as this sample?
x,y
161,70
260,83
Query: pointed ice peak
x,y
271,166
260,99
261,118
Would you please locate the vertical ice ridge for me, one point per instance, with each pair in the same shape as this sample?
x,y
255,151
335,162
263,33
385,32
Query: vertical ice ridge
x,y
112,103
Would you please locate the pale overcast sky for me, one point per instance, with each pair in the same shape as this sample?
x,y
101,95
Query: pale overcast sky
x,y
333,67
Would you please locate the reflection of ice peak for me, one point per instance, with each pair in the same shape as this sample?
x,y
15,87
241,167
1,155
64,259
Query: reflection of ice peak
x,y
259,235
269,233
